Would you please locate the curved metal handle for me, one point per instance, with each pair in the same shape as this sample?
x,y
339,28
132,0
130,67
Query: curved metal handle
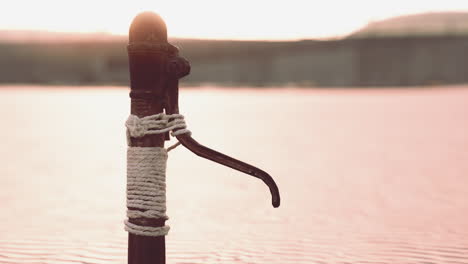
x,y
213,155
177,68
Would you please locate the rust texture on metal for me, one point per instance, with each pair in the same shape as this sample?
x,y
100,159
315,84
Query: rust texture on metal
x,y
155,70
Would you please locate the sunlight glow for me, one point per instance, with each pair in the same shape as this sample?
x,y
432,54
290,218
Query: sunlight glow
x,y
241,19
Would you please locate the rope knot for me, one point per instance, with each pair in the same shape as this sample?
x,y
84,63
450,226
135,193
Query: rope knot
x,y
156,124
135,127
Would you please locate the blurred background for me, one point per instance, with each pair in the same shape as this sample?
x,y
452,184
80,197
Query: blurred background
x,y
357,109
247,46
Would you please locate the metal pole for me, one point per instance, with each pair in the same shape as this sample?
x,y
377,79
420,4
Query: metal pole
x,y
148,52
155,68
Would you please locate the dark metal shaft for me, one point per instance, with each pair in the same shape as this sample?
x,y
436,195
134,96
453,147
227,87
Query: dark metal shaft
x,y
147,59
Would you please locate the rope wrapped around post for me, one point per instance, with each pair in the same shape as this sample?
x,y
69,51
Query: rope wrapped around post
x,y
146,171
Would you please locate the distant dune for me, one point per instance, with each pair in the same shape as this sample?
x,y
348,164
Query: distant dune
x,y
427,24
423,49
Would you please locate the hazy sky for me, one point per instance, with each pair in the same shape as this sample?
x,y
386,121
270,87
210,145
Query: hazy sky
x,y
239,19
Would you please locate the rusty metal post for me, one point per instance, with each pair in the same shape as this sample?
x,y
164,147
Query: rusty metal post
x,y
155,70
148,53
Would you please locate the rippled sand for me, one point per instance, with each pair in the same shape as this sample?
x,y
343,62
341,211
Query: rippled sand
x,y
365,176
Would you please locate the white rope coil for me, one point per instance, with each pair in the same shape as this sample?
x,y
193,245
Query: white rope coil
x,y
146,172
146,188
